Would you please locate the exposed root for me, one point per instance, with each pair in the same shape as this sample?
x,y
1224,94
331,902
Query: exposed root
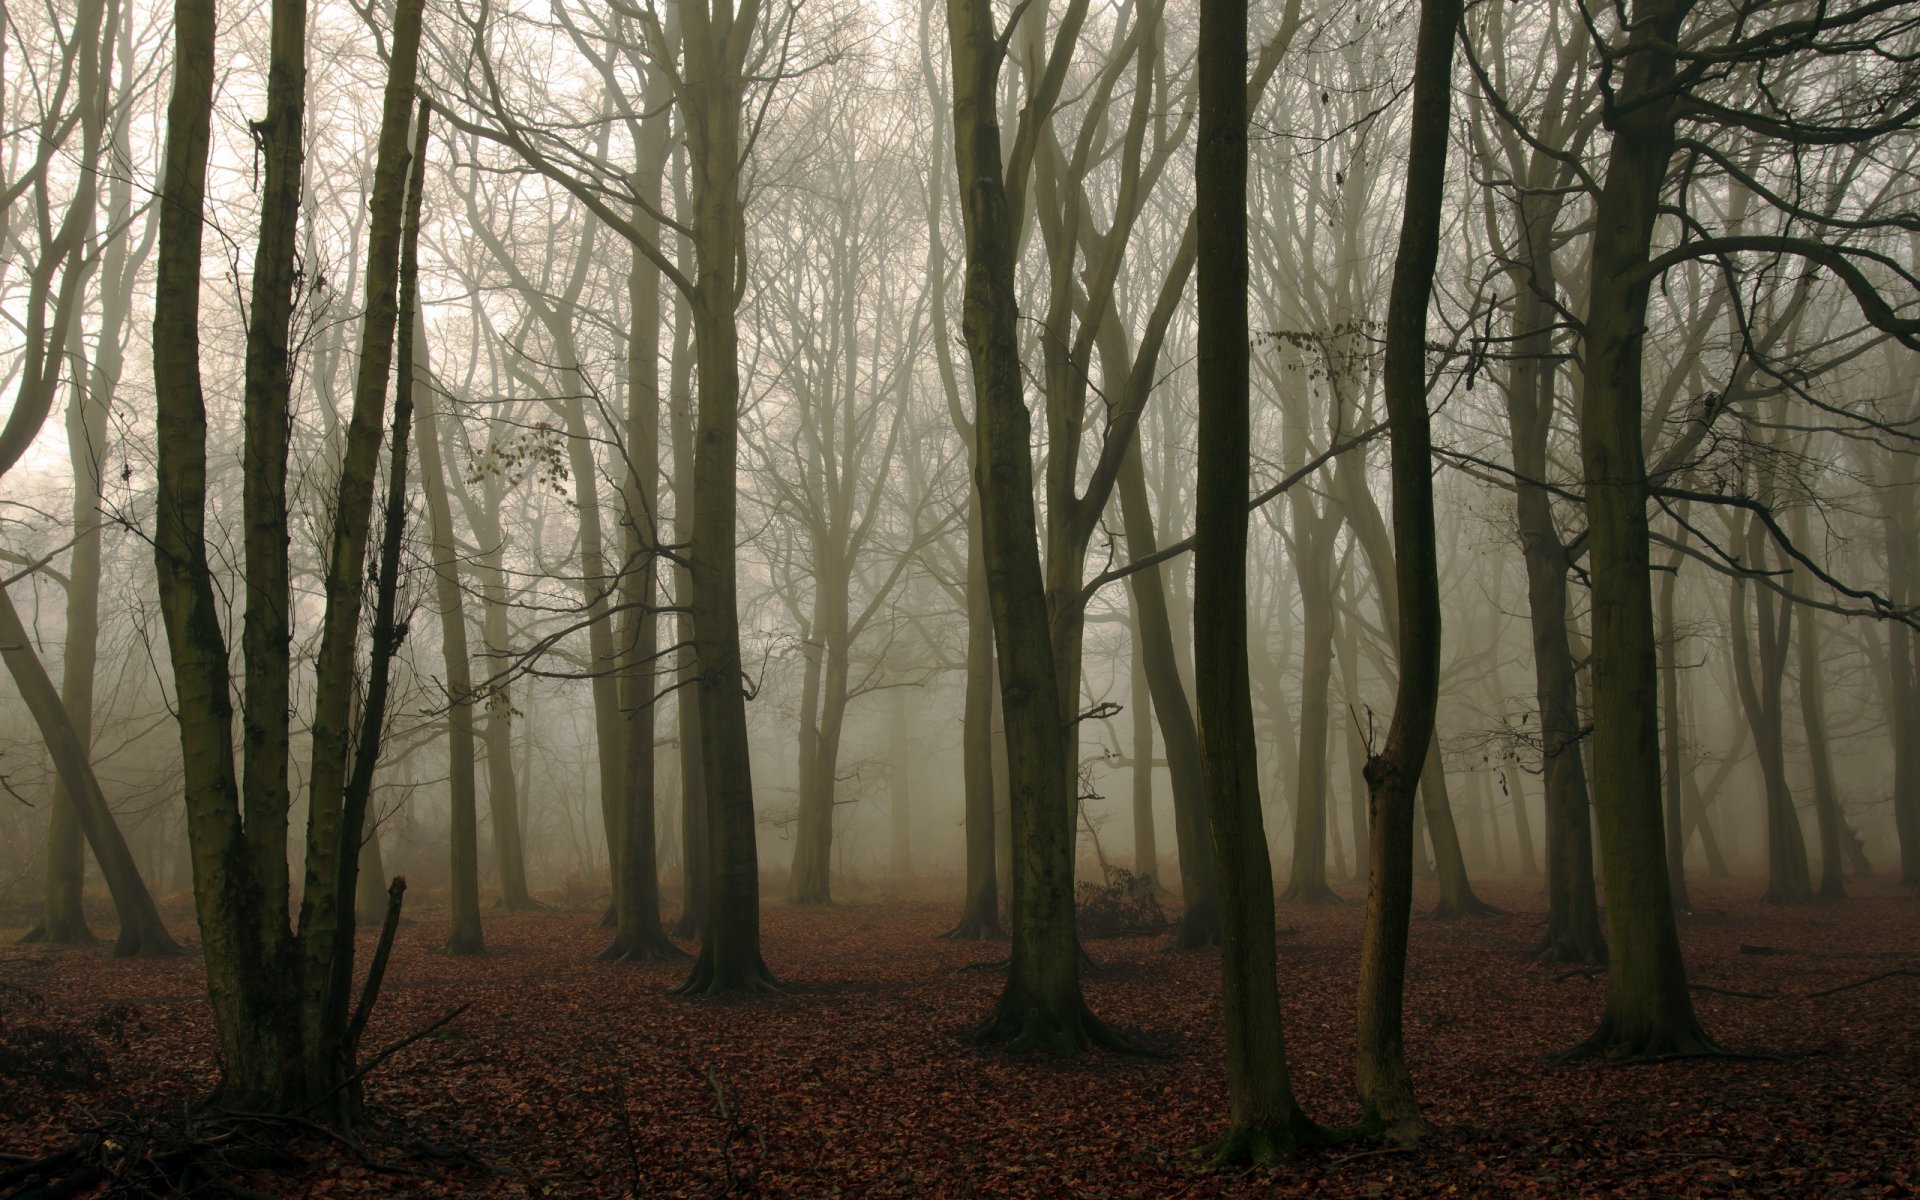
x,y
1454,908
175,1154
1847,987
705,980
644,948
1265,1143
1566,948
1024,1028
1611,1044
976,929
1300,892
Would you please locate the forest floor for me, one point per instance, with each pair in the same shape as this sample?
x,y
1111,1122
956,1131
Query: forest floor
x,y
569,1077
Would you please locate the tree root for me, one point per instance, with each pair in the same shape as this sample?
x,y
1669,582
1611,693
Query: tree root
x,y
643,948
1024,1028
976,929
1614,1046
1320,893
1264,1143
1566,948
175,1154
1460,907
705,980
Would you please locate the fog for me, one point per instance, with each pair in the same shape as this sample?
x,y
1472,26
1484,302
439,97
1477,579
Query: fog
x,y
810,449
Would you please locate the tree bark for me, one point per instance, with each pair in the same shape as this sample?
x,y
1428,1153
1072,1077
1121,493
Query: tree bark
x,y
716,45
1380,1069
1193,836
1264,1121
141,930
1649,1010
465,935
1041,1007
980,918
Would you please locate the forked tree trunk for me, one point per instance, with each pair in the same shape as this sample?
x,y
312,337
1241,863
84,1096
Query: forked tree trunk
x,y
278,999
1041,1006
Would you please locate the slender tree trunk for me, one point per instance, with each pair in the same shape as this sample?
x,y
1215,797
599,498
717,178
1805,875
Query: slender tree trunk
x,y
693,787
141,931
465,936
638,934
1307,883
1264,1121
1813,718
980,919
1671,794
1380,1067
1146,853
1167,690
900,786
1759,665
1573,911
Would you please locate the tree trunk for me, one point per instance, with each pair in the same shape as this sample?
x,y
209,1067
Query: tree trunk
x,y
1264,1121
1649,1010
1760,684
465,935
900,786
712,93
638,935
693,788
141,931
1307,883
980,919
1671,793
1573,911
1041,1007
1167,691
1380,1067
1146,853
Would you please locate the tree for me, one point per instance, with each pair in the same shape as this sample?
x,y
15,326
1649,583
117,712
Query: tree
x,y
1041,1007
279,992
1380,1070
1264,1119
